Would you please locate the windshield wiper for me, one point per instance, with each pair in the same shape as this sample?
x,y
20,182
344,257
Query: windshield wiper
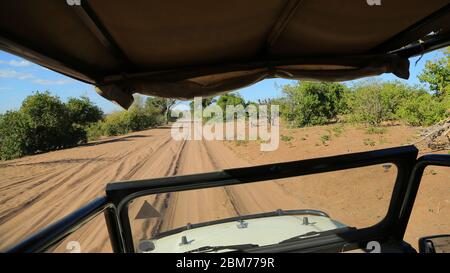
x,y
316,234
216,248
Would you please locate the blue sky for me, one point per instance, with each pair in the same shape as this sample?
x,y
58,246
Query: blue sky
x,y
20,78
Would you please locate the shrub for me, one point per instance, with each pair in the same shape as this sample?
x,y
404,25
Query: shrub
x,y
162,106
338,130
95,130
118,123
368,106
45,123
140,119
423,110
375,130
311,103
325,138
75,135
369,142
373,102
286,138
82,111
49,122
231,99
15,135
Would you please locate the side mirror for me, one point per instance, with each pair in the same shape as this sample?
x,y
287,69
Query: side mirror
x,y
435,244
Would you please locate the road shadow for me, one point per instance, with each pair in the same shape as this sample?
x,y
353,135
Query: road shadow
x,y
93,143
68,161
59,161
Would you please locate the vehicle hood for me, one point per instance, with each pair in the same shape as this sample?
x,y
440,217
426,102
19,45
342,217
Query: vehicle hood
x,y
260,231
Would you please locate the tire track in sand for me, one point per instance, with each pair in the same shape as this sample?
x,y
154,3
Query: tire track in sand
x,y
39,203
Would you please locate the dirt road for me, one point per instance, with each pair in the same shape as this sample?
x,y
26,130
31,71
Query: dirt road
x,y
178,209
38,190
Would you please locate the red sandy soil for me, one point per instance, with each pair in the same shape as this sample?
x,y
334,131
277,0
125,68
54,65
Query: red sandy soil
x,y
431,213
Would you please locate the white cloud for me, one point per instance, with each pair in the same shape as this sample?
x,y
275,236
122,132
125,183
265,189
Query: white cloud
x,y
15,75
12,74
52,82
16,63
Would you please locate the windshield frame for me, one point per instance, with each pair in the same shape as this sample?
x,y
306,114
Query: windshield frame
x,y
404,158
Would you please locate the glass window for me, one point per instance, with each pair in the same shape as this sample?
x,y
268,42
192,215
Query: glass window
x,y
261,213
431,212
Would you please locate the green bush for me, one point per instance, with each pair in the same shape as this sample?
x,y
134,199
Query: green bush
x,y
368,103
15,135
423,110
311,103
82,111
286,138
231,99
375,102
75,135
325,138
44,123
95,131
161,106
49,121
376,130
118,123
143,118
115,124
338,130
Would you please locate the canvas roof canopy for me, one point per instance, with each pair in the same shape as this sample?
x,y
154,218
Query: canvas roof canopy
x,y
182,49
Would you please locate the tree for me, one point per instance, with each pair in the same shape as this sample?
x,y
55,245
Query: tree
x,y
82,111
141,118
311,103
115,124
49,121
15,135
230,99
44,123
422,110
437,74
233,99
205,103
373,102
268,103
164,105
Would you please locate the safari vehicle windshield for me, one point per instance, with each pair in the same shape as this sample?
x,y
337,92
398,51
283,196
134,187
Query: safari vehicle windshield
x,y
245,216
